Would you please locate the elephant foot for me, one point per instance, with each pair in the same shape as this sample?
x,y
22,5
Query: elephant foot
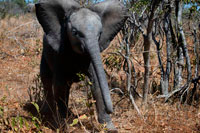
x,y
111,128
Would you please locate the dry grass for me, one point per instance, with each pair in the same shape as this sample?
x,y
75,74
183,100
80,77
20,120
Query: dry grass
x,y
20,51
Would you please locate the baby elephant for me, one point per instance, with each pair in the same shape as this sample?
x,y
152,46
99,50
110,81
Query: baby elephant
x,y
73,39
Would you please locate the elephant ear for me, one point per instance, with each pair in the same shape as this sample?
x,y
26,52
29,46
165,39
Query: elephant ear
x,y
51,15
113,15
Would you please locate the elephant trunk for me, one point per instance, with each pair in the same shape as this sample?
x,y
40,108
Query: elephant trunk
x,y
93,49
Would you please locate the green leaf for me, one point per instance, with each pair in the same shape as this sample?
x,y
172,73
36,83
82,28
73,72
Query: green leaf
x,y
90,83
20,122
36,106
27,124
1,111
16,129
82,117
36,122
13,122
75,121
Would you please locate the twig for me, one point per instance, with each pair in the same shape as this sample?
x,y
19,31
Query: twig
x,y
135,105
19,26
171,93
117,89
79,118
129,76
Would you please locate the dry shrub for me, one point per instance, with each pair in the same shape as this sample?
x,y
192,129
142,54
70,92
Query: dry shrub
x,y
20,51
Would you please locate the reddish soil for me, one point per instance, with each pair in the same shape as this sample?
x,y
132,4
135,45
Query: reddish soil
x,y
20,51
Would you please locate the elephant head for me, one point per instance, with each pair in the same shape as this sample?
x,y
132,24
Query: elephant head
x,y
89,30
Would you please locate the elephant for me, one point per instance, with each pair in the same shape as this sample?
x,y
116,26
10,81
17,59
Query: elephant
x,y
74,37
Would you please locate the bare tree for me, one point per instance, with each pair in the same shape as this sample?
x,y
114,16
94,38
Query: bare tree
x,y
147,44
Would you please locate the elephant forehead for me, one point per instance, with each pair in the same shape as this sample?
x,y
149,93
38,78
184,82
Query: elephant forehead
x,y
92,23
86,20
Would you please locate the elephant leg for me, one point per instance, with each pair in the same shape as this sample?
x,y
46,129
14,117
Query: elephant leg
x,y
46,78
61,94
103,116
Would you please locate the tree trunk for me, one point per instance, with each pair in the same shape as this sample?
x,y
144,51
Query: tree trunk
x,y
196,52
147,44
183,40
165,82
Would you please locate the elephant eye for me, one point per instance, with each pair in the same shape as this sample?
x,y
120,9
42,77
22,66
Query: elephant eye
x,y
77,33
74,32
100,35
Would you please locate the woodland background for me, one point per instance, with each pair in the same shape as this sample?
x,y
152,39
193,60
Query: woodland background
x,y
152,67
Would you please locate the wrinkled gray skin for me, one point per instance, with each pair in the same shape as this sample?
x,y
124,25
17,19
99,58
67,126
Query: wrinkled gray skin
x,y
73,39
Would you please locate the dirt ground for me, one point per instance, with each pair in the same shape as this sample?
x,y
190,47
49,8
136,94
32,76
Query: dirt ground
x,y
20,51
